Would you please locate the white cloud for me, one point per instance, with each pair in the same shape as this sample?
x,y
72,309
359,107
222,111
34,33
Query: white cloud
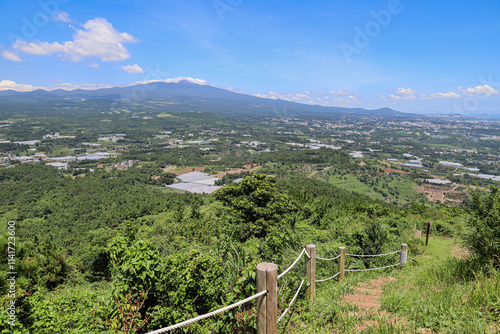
x,y
234,90
68,86
286,96
484,90
8,84
98,38
175,80
62,17
402,98
340,92
132,68
7,54
94,65
406,92
449,95
313,98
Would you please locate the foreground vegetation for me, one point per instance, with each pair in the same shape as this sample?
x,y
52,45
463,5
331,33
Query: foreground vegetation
x,y
111,252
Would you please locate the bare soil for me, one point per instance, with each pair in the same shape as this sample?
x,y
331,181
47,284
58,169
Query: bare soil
x,y
185,170
443,193
246,168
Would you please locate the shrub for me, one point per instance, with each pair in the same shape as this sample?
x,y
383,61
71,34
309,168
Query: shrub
x,y
482,237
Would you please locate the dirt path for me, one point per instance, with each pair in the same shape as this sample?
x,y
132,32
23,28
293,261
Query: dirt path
x,y
460,252
366,297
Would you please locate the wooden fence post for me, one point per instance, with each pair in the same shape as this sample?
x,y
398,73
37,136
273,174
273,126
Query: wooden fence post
x,y
428,232
341,263
403,255
311,271
267,305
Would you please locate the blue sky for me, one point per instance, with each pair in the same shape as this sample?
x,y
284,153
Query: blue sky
x,y
410,55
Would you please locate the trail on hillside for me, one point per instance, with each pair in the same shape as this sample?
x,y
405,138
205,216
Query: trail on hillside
x,y
366,297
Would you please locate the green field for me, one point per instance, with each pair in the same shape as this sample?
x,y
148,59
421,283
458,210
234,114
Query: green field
x,y
351,182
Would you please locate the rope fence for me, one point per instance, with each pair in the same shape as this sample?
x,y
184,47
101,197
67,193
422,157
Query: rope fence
x,y
333,258
267,291
307,254
293,264
292,302
327,279
208,315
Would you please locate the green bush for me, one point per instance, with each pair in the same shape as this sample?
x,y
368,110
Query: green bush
x,y
482,237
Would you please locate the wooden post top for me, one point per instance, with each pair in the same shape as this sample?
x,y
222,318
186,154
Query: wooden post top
x,y
265,266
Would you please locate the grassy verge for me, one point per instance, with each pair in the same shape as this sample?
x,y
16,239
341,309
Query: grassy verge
x,y
444,294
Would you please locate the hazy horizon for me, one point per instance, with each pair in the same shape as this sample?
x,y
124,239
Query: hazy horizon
x,y
405,55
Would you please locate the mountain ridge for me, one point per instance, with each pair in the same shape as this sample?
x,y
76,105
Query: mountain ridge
x,y
191,95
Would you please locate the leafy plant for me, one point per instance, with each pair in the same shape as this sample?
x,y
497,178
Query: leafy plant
x,y
483,235
254,205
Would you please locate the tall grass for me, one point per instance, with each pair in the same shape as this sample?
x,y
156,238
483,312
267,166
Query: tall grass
x,y
447,295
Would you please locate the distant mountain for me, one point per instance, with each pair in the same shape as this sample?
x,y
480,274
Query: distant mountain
x,y
187,96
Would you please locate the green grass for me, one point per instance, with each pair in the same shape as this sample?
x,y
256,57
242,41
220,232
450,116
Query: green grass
x,y
60,152
445,294
405,189
351,182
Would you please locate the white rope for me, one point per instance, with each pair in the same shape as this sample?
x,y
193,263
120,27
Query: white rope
x,y
291,303
307,254
398,251
394,265
293,264
327,279
201,317
333,258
